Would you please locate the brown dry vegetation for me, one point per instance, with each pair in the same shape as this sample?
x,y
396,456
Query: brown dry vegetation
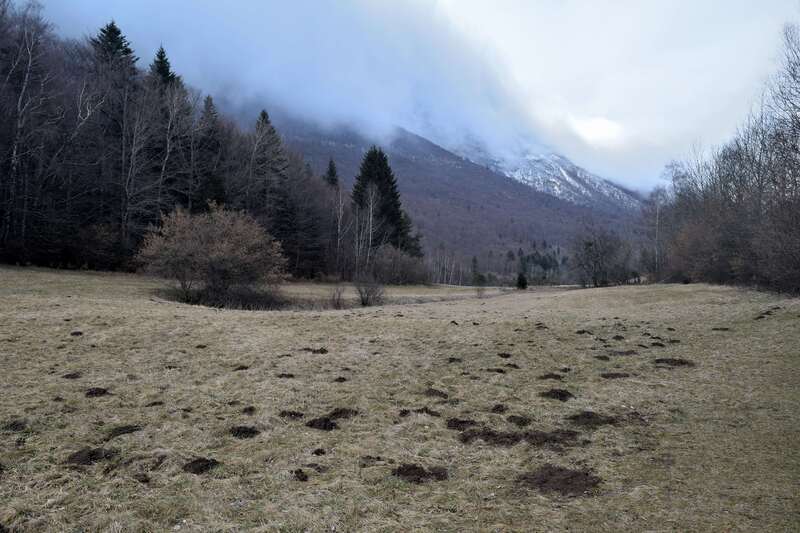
x,y
711,446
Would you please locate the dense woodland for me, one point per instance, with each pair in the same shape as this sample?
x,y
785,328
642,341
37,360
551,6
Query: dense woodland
x,y
95,150
97,146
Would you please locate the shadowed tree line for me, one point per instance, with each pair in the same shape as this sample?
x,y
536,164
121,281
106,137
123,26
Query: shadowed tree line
x,y
95,150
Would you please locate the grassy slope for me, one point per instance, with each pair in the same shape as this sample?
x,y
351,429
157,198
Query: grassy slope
x,y
715,447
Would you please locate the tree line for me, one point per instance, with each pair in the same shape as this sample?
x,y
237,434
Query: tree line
x,y
95,150
733,215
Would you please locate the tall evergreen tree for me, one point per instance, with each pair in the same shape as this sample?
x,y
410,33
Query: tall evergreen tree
x,y
209,184
111,46
375,170
160,68
332,175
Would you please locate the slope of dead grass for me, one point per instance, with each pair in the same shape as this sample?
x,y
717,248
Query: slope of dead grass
x,y
710,445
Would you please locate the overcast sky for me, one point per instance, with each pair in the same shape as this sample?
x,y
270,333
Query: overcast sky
x,y
621,87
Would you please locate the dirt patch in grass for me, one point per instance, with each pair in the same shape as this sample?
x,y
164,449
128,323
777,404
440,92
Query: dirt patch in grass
x,y
520,421
614,375
670,362
453,359
15,425
591,420
561,395
96,392
420,411
291,415
340,379
243,432
89,456
285,375
413,473
435,393
460,424
299,475
499,409
249,410
72,375
328,422
557,479
510,438
551,375
201,465
504,355
240,368
122,430
495,370
602,357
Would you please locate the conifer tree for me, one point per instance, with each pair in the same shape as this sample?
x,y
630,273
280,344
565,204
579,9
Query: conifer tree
x,y
332,175
209,182
375,170
111,46
160,68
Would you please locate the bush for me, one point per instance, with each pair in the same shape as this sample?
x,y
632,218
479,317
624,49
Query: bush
x,y
522,281
337,297
220,253
370,291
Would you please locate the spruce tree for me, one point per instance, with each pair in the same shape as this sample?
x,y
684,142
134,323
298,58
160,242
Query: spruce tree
x,y
332,175
111,46
209,183
375,170
160,68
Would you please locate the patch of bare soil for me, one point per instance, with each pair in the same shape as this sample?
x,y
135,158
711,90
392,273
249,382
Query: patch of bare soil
x,y
564,481
72,375
328,422
669,362
460,424
88,456
551,375
96,392
499,409
510,438
420,411
614,375
591,420
416,474
520,421
122,430
244,432
201,465
557,394
15,425
291,415
435,393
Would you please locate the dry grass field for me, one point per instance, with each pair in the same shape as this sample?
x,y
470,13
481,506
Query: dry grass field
x,y
653,408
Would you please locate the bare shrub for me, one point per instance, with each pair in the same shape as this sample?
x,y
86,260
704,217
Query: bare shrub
x,y
213,256
337,297
370,291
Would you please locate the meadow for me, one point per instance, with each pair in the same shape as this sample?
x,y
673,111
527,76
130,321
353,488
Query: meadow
x,y
658,408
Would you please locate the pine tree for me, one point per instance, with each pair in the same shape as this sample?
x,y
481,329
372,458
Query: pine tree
x,y
332,175
160,68
210,186
375,170
111,46
267,167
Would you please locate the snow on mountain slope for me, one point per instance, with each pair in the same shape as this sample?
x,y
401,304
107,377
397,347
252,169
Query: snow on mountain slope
x,y
556,175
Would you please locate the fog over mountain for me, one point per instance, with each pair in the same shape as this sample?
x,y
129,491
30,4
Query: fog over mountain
x,y
465,74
